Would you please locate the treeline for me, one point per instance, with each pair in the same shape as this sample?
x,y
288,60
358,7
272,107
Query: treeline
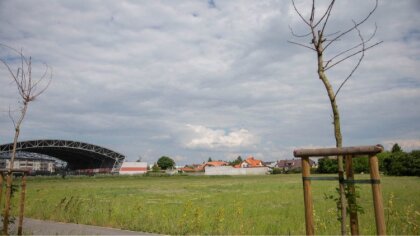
x,y
394,162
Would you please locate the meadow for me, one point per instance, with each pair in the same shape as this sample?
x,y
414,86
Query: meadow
x,y
251,205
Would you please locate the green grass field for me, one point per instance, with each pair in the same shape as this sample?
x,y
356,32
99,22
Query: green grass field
x,y
214,205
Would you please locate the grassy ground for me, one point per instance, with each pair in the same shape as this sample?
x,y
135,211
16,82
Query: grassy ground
x,y
214,205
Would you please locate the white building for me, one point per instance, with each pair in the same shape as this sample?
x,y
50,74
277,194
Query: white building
x,y
29,164
133,168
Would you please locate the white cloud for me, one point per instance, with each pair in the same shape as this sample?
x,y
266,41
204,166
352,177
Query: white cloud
x,y
217,138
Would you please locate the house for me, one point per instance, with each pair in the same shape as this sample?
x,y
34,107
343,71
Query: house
x,y
192,168
216,163
287,165
270,164
250,162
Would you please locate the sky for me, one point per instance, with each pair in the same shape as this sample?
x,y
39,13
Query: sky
x,y
199,79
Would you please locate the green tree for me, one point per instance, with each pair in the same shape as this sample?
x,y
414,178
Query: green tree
x,y
327,165
155,168
381,157
165,162
396,148
209,160
237,161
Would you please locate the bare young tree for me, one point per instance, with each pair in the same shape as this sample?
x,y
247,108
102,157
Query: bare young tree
x,y
28,90
321,42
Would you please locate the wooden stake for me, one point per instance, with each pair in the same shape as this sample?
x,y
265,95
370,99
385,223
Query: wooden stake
x,y
1,186
307,195
342,192
377,195
7,203
351,201
22,203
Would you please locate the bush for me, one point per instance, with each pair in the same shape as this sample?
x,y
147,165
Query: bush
x,y
402,163
327,166
276,171
361,164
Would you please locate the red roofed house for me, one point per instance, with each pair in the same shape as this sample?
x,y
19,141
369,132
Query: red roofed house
x,y
251,162
200,167
192,168
216,163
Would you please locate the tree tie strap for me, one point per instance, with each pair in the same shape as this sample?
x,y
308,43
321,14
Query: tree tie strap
x,y
320,178
362,181
344,181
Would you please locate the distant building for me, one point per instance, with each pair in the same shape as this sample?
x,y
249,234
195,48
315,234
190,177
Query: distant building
x,y
251,162
287,165
229,170
216,163
31,164
133,168
270,164
192,168
200,167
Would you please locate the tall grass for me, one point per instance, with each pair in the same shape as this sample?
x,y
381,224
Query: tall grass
x,y
214,205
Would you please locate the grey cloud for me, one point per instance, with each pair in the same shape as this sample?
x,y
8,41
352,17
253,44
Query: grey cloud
x,y
129,75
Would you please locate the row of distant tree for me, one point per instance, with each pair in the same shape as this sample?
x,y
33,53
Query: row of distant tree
x,y
394,162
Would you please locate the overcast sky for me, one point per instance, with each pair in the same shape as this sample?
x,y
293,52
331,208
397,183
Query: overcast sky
x,y
199,79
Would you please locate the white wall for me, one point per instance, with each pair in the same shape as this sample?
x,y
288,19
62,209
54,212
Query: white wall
x,y
229,170
133,168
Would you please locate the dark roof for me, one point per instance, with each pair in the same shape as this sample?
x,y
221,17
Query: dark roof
x,y
78,155
294,163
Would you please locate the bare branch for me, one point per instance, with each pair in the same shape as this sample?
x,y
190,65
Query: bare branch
x,y
350,49
328,35
11,117
327,13
18,52
354,27
302,45
297,11
297,35
43,77
357,64
10,71
311,20
45,87
352,55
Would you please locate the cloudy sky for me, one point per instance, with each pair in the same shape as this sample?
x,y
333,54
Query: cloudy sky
x,y
199,79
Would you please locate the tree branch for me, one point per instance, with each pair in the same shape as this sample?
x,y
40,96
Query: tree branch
x,y
297,11
352,55
354,47
297,35
358,62
352,28
302,45
327,13
11,117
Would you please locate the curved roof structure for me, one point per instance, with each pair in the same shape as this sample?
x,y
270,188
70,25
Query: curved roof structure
x,y
78,155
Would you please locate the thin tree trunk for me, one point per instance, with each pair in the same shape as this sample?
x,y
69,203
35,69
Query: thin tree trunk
x,y
17,132
9,172
337,132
